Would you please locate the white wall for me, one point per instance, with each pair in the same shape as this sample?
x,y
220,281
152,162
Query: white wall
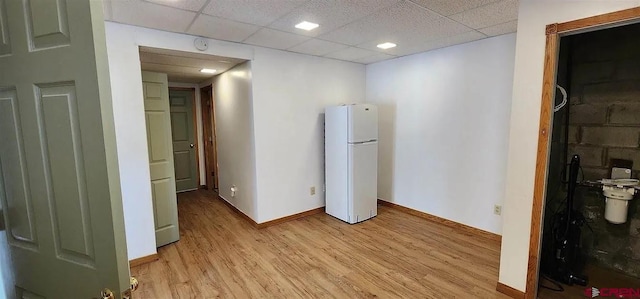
x,y
123,43
131,143
235,139
290,92
444,118
200,153
533,16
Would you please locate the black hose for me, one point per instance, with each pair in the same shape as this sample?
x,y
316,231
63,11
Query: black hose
x,y
557,285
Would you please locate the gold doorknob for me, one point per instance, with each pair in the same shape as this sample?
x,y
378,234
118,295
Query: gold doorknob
x,y
107,294
134,283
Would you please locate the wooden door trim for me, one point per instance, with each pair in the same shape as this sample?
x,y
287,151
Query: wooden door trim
x,y
553,33
144,260
599,20
208,124
195,127
548,89
215,138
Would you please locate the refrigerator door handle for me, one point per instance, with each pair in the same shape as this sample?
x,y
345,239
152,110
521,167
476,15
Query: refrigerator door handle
x,y
361,142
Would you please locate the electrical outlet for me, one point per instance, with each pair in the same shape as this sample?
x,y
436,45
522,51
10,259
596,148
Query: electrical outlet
x,y
312,190
497,209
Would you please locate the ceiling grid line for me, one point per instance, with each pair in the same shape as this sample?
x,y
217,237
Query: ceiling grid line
x,y
197,15
349,29
373,54
358,19
450,19
267,26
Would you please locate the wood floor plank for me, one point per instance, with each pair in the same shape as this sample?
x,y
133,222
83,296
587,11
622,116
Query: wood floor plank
x,y
394,255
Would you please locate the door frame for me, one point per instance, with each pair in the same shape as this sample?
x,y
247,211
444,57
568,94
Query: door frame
x,y
553,34
213,151
195,125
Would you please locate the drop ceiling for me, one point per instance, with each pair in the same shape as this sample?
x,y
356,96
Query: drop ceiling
x,y
184,67
349,29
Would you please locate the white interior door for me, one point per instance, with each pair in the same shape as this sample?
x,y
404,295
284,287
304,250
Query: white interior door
x,y
59,181
184,139
159,141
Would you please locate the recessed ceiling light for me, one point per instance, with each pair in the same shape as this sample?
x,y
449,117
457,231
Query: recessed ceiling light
x,y
208,71
304,25
386,45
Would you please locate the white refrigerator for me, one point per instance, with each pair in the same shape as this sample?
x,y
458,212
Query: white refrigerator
x,y
351,162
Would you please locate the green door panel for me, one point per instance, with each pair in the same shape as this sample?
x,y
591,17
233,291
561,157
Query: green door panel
x,y
59,176
163,186
183,132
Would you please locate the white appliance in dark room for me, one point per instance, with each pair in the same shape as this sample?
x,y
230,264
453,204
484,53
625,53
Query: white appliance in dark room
x,y
351,162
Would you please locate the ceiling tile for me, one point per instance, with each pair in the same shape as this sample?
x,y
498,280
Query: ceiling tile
x,y
491,14
375,58
269,38
504,28
192,55
178,74
184,66
401,39
351,54
405,19
330,14
167,68
223,29
192,5
349,29
440,43
317,47
150,15
258,12
180,61
449,7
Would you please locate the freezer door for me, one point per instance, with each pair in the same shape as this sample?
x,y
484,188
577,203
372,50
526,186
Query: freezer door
x,y
362,123
363,181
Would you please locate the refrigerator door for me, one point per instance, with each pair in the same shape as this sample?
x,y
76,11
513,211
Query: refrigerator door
x,y
362,123
363,181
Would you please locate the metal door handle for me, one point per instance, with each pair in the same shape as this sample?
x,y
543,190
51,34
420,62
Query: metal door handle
x,y
107,294
191,145
134,283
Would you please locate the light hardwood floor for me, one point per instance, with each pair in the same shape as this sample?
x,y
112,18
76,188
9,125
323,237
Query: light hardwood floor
x,y
395,255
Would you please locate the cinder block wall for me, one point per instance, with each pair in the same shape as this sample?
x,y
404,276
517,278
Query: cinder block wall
x,y
604,124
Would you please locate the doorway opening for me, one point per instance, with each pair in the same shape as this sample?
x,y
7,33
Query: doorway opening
x,y
591,102
207,103
180,116
182,104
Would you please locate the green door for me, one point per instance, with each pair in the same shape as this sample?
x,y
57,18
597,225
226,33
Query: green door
x,y
163,186
59,180
182,130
